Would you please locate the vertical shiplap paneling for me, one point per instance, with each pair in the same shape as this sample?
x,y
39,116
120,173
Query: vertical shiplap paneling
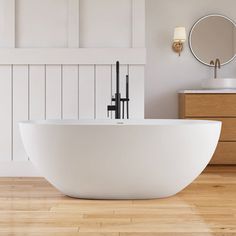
x,y
70,91
53,92
136,74
5,117
20,108
123,73
87,92
103,90
37,92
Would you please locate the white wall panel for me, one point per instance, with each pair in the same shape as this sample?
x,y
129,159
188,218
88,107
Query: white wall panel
x,y
86,92
103,90
53,92
20,108
5,117
37,92
44,75
138,23
41,23
136,74
73,23
70,91
105,23
7,23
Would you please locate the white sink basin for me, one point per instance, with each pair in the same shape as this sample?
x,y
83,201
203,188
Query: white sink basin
x,y
219,83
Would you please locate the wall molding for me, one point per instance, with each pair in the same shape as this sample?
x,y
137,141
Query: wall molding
x,y
69,56
138,23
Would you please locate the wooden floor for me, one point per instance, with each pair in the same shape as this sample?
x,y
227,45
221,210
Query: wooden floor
x,y
31,206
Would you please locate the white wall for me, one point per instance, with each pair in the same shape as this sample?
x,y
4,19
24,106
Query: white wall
x,y
166,73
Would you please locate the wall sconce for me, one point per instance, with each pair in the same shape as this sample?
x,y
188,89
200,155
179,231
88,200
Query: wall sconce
x,y
179,39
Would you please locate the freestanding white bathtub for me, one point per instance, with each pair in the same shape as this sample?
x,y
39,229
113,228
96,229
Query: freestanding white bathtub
x,y
120,159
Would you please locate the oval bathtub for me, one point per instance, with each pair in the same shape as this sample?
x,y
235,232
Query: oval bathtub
x,y
120,159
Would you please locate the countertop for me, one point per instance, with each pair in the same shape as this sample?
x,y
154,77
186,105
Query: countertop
x,y
208,91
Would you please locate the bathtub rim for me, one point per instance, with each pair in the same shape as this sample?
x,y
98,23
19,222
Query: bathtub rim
x,y
120,122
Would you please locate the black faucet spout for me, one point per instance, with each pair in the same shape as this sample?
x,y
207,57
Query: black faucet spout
x,y
117,77
117,99
117,95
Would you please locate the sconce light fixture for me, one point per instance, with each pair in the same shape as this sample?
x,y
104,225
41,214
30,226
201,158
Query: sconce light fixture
x,y
179,39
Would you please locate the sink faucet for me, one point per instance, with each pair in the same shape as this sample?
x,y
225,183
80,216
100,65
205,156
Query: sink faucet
x,y
217,65
117,99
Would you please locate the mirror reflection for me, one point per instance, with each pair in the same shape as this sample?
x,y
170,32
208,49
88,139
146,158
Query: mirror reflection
x,y
213,37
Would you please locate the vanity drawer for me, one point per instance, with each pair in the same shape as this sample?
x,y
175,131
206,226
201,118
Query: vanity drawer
x,y
209,105
228,130
216,106
225,153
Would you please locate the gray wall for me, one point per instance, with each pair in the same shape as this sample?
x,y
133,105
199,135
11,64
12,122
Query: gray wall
x,y
166,73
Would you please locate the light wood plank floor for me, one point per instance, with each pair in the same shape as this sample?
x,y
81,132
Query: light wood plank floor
x,y
31,206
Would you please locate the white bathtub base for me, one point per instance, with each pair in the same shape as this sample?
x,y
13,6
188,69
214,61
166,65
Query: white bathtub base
x,y
109,160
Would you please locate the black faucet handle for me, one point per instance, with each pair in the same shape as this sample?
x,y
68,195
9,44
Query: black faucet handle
x,y
110,108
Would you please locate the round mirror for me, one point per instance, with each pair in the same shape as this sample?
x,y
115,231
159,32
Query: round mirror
x,y
213,37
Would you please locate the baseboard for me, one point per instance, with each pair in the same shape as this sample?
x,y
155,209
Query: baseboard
x,y
18,169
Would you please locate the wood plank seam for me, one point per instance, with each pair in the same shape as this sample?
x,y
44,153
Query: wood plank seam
x,y
11,112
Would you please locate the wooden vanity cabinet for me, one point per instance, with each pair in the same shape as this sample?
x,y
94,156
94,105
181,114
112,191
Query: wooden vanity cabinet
x,y
214,106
